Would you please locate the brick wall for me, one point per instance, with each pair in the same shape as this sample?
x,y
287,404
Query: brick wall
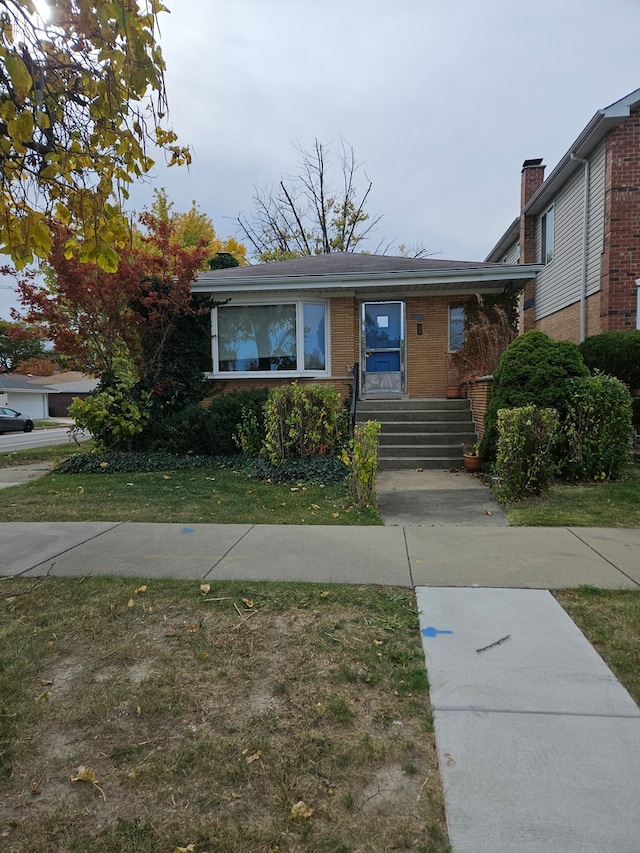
x,y
621,254
565,325
479,393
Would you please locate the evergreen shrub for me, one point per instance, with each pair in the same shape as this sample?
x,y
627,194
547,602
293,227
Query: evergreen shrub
x,y
532,371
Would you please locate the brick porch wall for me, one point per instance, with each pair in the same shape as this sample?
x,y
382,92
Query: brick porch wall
x,y
479,393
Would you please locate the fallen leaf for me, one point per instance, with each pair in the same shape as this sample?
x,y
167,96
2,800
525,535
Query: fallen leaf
x,y
141,589
192,629
188,849
295,489
86,774
247,602
130,484
131,774
104,464
300,811
205,588
46,682
324,594
255,756
488,512
81,490
130,603
44,696
166,477
335,514
315,506
377,643
138,710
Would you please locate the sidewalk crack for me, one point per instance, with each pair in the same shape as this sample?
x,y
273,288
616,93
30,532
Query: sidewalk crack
x,y
602,557
227,552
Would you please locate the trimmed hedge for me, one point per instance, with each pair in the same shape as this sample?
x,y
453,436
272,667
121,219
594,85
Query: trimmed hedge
x,y
208,430
616,354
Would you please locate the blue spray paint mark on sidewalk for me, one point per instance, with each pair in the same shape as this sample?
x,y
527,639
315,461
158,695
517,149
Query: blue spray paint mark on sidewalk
x,y
187,530
432,632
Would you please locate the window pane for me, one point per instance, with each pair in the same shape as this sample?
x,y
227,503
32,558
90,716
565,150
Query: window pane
x,y
257,337
314,337
456,327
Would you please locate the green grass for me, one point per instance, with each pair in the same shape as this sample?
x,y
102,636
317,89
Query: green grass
x,y
203,715
611,622
202,495
53,454
614,504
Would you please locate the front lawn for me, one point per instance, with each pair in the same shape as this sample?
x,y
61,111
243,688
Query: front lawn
x,y
235,717
614,504
198,495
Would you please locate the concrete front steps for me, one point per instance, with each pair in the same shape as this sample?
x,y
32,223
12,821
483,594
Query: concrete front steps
x,y
420,433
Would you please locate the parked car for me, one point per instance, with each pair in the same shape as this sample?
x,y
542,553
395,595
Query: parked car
x,y
12,421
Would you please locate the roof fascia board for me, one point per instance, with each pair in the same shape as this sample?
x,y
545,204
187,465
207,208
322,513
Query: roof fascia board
x,y
497,272
602,122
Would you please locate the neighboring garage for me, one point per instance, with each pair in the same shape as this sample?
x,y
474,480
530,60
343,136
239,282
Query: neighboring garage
x,y
19,393
63,387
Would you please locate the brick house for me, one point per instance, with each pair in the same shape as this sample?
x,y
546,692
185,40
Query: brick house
x,y
583,225
319,318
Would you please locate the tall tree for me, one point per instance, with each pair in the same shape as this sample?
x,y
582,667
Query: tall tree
x,y
117,323
81,95
195,228
19,342
306,214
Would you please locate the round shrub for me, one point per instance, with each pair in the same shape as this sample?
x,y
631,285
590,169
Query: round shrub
x,y
597,428
532,371
617,354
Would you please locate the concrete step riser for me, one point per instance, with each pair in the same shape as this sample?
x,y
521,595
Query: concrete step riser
x,y
402,450
431,428
426,463
412,416
416,405
417,440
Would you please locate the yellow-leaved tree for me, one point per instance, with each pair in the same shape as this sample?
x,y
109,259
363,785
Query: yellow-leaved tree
x,y
82,95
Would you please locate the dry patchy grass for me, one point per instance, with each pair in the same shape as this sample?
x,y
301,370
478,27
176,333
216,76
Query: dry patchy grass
x,y
206,716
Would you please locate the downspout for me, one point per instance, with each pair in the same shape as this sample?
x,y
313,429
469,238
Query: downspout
x,y
585,244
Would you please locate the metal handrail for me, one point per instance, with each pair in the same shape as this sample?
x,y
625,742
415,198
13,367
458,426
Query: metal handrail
x,y
355,393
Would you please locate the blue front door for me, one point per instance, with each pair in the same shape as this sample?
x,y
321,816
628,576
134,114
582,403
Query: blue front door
x,y
382,341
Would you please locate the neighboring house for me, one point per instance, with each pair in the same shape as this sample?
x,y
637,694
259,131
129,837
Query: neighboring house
x,y
66,386
317,318
18,393
583,224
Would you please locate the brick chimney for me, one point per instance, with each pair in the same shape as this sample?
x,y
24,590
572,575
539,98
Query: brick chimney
x,y
531,180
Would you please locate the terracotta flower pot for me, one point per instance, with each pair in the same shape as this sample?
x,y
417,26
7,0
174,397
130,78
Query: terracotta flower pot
x,y
472,463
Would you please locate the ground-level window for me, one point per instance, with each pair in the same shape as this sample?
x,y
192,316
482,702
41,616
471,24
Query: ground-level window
x,y
288,337
456,327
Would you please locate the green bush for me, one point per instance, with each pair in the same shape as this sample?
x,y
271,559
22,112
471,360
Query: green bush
x,y
616,354
361,457
208,430
532,370
303,420
112,416
597,429
525,461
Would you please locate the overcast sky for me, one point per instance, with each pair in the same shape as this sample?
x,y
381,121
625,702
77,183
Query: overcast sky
x,y
441,102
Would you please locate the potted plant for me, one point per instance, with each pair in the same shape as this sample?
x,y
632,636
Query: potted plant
x,y
471,458
453,388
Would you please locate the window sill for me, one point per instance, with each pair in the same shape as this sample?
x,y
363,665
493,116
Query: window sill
x,y
267,374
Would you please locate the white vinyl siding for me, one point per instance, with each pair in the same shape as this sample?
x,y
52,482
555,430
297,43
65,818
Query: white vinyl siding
x,y
558,284
512,255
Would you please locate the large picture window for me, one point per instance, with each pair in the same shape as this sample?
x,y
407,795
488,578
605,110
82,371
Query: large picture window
x,y
288,337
